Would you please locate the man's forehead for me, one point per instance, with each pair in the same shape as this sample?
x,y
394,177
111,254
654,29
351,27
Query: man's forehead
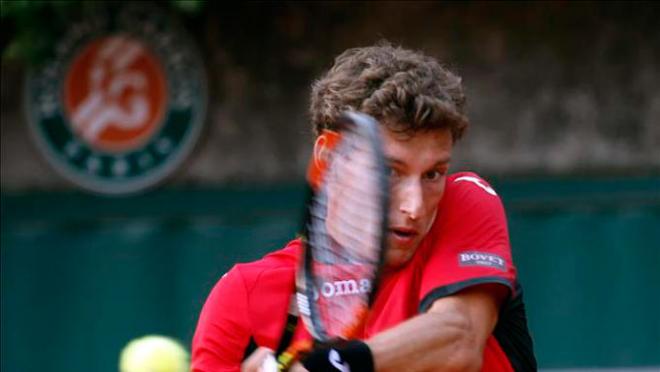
x,y
405,136
440,139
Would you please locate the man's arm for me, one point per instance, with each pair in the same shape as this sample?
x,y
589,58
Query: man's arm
x,y
450,336
222,332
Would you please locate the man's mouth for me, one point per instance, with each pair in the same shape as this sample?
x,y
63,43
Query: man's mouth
x,y
403,234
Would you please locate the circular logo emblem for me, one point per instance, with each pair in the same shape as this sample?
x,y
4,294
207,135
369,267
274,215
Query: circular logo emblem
x,y
115,94
121,104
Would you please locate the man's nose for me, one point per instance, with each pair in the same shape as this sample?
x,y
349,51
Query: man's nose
x,y
411,199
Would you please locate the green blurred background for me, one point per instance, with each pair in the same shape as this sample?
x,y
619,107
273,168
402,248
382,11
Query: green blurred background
x,y
83,275
565,112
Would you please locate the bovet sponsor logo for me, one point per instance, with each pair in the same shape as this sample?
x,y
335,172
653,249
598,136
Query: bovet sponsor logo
x,y
475,258
343,288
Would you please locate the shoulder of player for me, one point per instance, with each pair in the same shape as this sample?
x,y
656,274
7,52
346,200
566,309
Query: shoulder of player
x,y
463,184
276,265
468,194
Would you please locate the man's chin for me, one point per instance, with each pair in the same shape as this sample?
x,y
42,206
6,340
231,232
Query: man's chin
x,y
396,258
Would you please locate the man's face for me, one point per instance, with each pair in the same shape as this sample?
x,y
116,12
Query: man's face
x,y
419,166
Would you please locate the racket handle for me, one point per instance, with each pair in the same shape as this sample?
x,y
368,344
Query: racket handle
x,y
286,359
291,355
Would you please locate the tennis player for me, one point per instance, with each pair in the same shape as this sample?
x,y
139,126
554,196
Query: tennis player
x,y
449,298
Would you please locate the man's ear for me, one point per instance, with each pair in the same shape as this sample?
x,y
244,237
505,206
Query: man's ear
x,y
323,145
320,151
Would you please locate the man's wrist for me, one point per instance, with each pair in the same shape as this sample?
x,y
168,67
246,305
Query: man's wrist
x,y
351,356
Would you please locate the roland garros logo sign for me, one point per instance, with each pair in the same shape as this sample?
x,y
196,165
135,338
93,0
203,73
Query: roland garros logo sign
x,y
122,102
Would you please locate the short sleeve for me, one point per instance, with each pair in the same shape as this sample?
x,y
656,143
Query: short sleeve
x,y
223,330
469,242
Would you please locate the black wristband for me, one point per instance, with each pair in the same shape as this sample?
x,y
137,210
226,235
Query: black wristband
x,y
351,356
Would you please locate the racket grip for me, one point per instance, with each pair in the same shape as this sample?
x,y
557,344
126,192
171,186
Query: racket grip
x,y
291,354
298,348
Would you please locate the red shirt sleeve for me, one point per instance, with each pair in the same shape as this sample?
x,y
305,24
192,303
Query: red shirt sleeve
x,y
247,307
223,328
469,242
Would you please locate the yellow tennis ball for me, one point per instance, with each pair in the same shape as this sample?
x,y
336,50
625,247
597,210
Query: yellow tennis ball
x,y
154,353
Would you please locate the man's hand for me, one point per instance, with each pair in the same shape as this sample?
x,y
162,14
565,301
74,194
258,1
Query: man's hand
x,y
297,367
261,360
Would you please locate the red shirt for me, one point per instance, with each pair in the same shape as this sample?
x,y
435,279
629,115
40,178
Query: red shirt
x,y
467,245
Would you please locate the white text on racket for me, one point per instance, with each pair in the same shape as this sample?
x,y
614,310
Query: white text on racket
x,y
344,288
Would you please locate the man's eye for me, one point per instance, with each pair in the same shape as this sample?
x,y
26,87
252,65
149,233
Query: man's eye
x,y
394,173
433,175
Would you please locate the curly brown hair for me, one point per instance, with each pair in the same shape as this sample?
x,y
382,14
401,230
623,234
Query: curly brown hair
x,y
405,90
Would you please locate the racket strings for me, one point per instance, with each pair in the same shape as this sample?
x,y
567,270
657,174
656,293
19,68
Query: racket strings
x,y
353,185
345,230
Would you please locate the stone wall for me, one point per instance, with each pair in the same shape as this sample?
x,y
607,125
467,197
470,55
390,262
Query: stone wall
x,y
554,88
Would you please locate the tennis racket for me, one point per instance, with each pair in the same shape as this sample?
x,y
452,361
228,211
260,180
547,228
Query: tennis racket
x,y
343,235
